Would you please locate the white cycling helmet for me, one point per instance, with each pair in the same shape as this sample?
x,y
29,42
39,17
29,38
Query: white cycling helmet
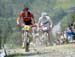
x,y
44,14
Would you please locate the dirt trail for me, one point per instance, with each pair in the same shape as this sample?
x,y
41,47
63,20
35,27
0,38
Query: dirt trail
x,y
52,51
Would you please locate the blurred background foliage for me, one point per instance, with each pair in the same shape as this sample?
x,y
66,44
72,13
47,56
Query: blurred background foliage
x,y
59,10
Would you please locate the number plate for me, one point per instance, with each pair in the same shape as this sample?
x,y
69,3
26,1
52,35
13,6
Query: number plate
x,y
26,27
44,28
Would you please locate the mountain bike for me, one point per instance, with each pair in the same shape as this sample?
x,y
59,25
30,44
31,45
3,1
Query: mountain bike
x,y
26,29
44,36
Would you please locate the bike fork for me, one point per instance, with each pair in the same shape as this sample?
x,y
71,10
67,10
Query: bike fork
x,y
27,42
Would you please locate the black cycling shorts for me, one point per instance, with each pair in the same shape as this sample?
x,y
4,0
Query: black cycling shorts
x,y
28,23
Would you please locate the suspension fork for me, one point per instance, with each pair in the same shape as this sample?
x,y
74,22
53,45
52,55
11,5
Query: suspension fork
x,y
27,41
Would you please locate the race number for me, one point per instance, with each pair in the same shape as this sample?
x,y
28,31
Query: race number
x,y
26,27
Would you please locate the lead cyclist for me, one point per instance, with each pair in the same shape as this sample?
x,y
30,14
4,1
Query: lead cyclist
x,y
45,21
28,19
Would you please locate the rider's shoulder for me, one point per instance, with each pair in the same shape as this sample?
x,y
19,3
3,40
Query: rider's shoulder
x,y
21,14
30,11
48,17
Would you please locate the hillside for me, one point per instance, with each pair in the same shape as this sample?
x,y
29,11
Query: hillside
x,y
9,10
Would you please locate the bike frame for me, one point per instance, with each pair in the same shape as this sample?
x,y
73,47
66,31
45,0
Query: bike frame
x,y
44,36
27,37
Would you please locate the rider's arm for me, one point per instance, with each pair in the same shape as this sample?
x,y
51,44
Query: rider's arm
x,y
39,21
50,21
18,19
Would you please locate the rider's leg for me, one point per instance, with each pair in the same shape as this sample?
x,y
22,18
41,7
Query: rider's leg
x,y
23,38
31,34
32,37
49,37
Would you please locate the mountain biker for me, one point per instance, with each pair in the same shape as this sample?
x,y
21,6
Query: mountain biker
x,y
28,19
45,21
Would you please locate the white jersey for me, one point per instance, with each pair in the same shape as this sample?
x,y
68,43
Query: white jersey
x,y
45,21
